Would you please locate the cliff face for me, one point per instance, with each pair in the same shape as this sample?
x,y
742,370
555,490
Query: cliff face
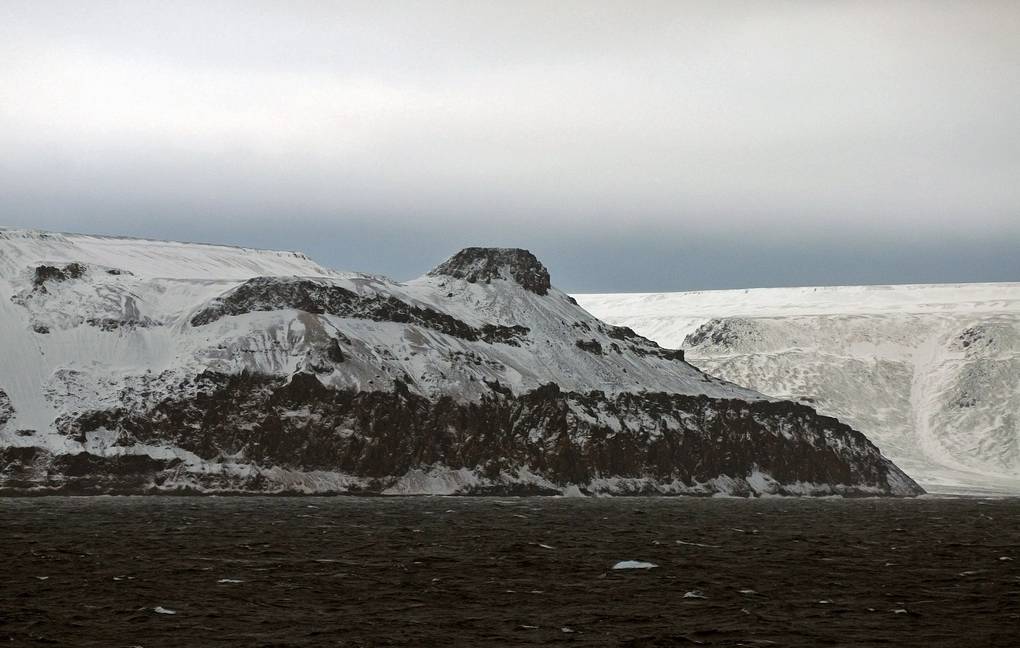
x,y
138,366
6,409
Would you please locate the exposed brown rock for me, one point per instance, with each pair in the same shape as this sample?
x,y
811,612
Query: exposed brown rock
x,y
478,264
569,438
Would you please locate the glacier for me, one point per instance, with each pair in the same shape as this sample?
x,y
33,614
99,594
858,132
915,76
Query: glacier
x,y
930,373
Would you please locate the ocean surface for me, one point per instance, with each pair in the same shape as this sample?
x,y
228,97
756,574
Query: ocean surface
x,y
431,571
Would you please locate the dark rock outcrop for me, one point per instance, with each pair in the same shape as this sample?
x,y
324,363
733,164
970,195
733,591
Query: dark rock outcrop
x,y
591,346
47,273
478,264
310,296
641,345
36,470
723,332
568,438
6,409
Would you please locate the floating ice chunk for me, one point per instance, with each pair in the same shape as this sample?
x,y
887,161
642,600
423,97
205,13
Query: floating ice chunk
x,y
572,491
697,544
900,611
825,602
566,630
1005,558
42,577
749,592
634,564
159,609
229,580
695,594
545,546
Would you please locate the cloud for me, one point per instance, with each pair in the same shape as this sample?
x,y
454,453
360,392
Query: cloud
x,y
833,125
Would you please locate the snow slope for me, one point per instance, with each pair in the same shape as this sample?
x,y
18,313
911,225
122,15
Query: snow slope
x,y
160,286
159,281
931,373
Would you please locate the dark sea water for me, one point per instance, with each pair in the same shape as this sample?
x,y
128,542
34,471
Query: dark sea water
x,y
508,572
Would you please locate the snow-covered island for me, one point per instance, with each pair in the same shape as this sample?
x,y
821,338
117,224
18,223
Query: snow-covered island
x,y
137,366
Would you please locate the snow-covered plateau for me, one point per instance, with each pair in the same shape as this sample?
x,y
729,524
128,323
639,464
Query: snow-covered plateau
x,y
930,373
138,366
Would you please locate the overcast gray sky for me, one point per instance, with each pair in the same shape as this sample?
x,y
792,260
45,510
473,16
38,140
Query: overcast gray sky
x,y
632,145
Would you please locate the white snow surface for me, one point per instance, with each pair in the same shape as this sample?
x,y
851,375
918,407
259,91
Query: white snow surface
x,y
122,332
930,373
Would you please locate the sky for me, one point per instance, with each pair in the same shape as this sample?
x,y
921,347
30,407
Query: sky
x,y
633,146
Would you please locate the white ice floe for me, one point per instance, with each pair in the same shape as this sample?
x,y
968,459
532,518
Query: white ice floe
x,y
159,609
634,564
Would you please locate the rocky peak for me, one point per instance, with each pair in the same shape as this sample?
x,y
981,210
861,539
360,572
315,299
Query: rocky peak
x,y
476,264
46,273
6,409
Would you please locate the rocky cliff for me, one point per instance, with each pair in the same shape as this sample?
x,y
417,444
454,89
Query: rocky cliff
x,y
142,366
